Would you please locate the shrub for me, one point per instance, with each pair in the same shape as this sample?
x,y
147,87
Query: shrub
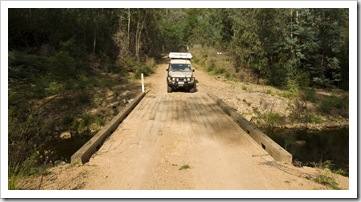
x,y
228,75
334,104
62,65
311,118
309,94
219,70
328,181
146,70
303,79
269,92
274,118
211,66
85,122
292,86
29,166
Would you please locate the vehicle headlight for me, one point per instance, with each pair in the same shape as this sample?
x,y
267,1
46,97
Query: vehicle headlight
x,y
173,79
177,79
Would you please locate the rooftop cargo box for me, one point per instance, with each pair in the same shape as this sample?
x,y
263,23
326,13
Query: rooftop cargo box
x,y
177,55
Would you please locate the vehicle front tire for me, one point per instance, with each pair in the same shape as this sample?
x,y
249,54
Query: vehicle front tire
x,y
193,89
169,89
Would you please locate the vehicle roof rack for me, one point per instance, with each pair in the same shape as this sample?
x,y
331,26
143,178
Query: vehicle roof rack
x,y
179,55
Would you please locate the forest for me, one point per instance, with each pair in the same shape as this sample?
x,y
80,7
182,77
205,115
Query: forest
x,y
65,55
306,46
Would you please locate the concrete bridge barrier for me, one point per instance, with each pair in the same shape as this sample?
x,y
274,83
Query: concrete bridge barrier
x,y
275,150
88,149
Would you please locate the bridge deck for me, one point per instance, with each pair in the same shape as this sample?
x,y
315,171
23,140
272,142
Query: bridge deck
x,y
182,141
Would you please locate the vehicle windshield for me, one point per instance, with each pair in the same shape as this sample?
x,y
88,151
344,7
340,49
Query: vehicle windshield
x,y
180,67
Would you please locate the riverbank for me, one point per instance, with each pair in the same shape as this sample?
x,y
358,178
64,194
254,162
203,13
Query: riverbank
x,y
267,106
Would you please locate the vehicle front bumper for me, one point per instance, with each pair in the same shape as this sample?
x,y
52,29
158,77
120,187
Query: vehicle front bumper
x,y
180,82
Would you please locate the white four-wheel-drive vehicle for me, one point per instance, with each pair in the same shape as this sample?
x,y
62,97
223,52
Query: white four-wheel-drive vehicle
x,y
180,72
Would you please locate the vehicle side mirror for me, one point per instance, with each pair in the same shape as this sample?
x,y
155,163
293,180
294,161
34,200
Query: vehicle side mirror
x,y
166,69
192,70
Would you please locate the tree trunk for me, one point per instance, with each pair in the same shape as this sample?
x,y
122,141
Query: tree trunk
x,y
128,28
95,38
138,34
291,23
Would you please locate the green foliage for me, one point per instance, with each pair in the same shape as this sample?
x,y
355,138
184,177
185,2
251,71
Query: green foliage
x,y
274,118
56,70
292,87
210,66
62,65
269,92
328,165
54,88
228,75
307,45
341,171
303,79
329,181
219,70
84,123
309,94
208,59
64,62
29,167
311,118
247,103
146,70
136,67
334,104
128,63
279,45
184,167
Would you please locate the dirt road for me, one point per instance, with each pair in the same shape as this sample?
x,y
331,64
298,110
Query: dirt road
x,y
179,140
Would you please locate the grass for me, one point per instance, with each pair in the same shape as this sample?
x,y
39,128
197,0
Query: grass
x,y
31,166
315,105
247,103
209,61
274,118
55,93
287,94
328,181
334,104
269,92
312,118
326,178
184,167
309,94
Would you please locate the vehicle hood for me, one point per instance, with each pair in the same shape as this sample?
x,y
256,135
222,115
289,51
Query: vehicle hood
x,y
180,74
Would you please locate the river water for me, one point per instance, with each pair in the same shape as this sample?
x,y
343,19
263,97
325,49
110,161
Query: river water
x,y
64,149
311,148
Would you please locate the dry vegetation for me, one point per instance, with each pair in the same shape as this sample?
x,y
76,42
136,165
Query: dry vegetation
x,y
267,106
